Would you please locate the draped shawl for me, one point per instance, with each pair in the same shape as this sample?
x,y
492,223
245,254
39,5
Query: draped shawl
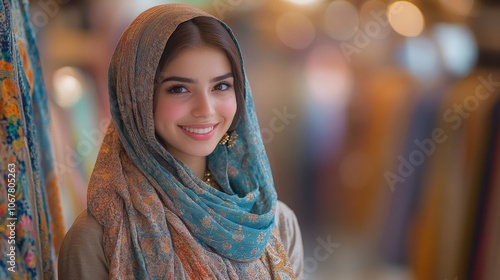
x,y
159,219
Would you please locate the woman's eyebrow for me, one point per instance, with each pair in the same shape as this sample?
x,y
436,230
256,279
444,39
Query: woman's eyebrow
x,y
178,79
192,81
222,77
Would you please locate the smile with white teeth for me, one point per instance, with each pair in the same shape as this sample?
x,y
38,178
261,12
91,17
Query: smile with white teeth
x,y
198,130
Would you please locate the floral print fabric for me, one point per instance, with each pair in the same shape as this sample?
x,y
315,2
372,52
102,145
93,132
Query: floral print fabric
x,y
31,226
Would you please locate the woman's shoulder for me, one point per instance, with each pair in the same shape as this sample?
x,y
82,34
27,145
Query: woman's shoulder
x,y
84,225
291,237
81,255
285,219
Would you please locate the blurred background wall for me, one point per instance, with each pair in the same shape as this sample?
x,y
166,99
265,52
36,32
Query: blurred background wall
x,y
380,119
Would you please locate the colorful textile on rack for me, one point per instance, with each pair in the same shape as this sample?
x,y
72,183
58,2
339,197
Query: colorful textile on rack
x,y
478,258
450,225
31,226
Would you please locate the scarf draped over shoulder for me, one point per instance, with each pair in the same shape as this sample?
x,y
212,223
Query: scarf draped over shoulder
x,y
159,219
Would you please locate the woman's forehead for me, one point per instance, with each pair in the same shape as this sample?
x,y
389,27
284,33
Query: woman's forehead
x,y
197,60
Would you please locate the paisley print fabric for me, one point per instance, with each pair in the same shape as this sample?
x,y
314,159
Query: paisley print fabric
x,y
159,219
31,225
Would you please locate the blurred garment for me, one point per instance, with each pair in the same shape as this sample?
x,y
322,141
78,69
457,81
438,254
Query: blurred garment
x,y
407,190
456,228
449,222
27,153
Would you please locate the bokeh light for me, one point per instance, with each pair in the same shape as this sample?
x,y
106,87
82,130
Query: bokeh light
x,y
459,7
328,76
295,30
341,20
421,57
68,87
406,18
458,48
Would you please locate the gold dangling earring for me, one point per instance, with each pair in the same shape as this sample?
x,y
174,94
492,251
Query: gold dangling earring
x,y
229,139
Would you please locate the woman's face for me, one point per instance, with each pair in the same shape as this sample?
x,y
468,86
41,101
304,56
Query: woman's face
x,y
195,102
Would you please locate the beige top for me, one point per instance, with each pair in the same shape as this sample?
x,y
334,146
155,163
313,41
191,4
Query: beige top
x,y
82,255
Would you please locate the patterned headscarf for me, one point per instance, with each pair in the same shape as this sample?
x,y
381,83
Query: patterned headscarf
x,y
159,219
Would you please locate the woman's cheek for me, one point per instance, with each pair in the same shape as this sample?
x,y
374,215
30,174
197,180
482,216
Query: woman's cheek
x,y
169,110
228,107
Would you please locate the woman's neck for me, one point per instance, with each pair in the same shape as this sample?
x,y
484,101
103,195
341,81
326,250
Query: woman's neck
x,y
197,165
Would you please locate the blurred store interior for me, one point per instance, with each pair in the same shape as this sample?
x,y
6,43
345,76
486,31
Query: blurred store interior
x,y
380,119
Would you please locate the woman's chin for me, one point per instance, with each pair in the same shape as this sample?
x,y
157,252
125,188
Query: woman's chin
x,y
202,150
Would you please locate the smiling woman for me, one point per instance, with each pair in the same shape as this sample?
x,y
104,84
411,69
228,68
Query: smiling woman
x,y
172,195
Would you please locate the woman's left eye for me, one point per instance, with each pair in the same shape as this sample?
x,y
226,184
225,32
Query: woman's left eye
x,y
222,86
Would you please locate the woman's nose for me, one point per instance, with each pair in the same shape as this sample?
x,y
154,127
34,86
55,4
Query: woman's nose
x,y
203,105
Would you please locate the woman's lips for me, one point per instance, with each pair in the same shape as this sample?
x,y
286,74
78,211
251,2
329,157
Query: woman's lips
x,y
199,132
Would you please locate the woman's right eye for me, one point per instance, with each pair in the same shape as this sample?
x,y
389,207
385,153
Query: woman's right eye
x,y
177,89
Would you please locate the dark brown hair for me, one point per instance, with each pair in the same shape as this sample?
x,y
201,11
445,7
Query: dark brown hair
x,y
206,31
